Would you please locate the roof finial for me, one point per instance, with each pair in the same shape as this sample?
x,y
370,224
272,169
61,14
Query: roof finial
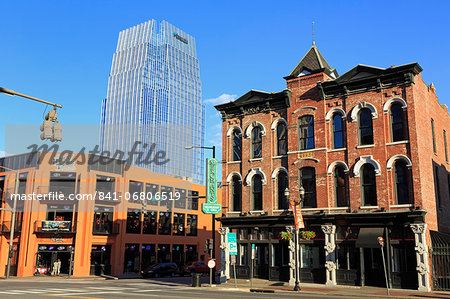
x,y
313,39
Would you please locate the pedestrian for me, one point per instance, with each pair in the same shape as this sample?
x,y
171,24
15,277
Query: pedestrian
x,y
55,268
59,266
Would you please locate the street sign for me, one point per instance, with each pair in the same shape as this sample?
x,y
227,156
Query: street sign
x,y
232,243
211,206
253,251
233,259
211,264
298,218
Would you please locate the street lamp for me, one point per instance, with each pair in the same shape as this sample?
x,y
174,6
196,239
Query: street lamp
x,y
13,220
213,228
296,230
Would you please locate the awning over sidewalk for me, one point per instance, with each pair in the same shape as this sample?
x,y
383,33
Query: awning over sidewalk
x,y
368,237
439,239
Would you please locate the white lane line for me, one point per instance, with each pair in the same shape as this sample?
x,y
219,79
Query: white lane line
x,y
28,291
10,293
167,296
110,288
86,293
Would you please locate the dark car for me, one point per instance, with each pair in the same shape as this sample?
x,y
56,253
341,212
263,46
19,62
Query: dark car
x,y
160,270
195,267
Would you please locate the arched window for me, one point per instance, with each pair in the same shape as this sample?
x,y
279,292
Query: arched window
x,y
308,181
256,142
338,131
236,144
397,127
236,194
283,203
368,185
340,187
306,132
401,183
257,196
281,139
365,126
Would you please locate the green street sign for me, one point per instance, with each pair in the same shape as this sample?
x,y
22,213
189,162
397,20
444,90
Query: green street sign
x,y
211,181
211,208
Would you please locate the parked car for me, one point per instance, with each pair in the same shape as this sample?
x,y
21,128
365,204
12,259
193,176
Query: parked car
x,y
160,270
195,267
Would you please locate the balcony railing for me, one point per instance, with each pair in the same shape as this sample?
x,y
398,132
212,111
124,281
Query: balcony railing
x,y
6,227
106,229
51,226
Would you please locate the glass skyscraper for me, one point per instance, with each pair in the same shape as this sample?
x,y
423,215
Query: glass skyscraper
x,y
154,97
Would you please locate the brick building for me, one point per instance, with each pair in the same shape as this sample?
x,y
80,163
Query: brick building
x,y
369,147
101,220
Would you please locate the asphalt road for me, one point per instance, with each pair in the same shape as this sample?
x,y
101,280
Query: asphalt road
x,y
129,288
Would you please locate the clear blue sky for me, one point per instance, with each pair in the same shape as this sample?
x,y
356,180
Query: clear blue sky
x,y
62,50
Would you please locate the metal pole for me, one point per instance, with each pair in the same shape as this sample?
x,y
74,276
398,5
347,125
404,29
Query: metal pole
x,y
214,231
385,273
234,272
71,263
14,93
297,266
13,222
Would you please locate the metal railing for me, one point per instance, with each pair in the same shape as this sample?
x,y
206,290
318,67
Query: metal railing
x,y
440,255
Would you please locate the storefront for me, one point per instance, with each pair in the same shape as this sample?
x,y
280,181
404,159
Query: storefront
x,y
100,260
47,255
333,248
132,256
148,255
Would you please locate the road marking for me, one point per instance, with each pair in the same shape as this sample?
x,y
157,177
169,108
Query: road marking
x,y
90,293
166,296
72,296
110,288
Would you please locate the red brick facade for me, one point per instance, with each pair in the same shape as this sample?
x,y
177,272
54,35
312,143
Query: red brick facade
x,y
314,89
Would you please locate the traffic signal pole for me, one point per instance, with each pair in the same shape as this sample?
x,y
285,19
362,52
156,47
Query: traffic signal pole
x,y
15,93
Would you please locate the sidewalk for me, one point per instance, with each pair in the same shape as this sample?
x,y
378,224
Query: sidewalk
x,y
260,285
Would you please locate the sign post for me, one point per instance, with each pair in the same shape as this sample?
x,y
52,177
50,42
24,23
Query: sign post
x,y
298,220
211,265
251,268
232,243
381,242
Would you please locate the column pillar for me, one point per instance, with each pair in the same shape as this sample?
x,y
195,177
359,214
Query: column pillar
x,y
423,271
225,255
330,253
290,229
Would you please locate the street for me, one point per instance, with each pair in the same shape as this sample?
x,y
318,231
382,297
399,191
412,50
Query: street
x,y
130,288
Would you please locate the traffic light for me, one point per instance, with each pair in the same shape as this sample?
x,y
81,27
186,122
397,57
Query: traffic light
x,y
51,128
47,130
57,131
208,245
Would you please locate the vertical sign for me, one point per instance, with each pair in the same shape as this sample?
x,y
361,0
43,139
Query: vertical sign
x,y
298,218
232,243
211,206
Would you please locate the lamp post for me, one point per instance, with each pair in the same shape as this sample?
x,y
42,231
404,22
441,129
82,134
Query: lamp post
x,y
13,221
213,228
296,230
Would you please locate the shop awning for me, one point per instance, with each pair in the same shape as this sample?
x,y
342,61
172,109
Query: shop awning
x,y
439,239
368,237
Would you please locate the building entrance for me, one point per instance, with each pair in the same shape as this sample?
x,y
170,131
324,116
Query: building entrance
x,y
47,255
373,268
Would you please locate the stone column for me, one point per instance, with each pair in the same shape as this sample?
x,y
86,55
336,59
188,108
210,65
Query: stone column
x,y
290,229
423,271
330,253
225,255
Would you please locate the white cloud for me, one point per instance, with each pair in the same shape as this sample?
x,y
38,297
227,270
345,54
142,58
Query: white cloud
x,y
224,98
